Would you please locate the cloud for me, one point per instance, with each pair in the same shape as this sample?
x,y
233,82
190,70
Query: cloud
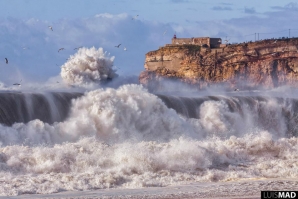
x,y
220,8
273,24
227,4
179,1
110,16
289,6
249,10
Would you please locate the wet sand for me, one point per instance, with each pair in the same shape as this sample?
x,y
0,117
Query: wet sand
x,y
249,189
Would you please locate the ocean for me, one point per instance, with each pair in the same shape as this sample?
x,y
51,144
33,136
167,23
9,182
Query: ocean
x,y
125,137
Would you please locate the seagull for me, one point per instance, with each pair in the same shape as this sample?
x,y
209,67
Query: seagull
x,y
124,49
78,48
50,27
135,17
118,46
60,49
227,40
17,84
275,41
6,60
164,32
236,89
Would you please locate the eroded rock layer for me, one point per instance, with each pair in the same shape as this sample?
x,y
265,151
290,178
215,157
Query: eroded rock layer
x,y
266,64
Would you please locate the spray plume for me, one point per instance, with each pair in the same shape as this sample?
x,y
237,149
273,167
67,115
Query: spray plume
x,y
88,66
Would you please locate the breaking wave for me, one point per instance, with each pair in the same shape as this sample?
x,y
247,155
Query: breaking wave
x,y
88,66
128,137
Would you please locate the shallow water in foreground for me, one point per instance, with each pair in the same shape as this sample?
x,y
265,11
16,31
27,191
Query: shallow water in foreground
x,y
249,189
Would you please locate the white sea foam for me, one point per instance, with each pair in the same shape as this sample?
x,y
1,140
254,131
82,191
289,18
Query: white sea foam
x,y
127,137
88,66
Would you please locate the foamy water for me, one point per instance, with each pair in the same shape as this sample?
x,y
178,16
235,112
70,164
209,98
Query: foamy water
x,y
128,138
88,66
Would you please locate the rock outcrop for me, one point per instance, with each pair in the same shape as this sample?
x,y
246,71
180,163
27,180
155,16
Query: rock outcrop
x,y
267,64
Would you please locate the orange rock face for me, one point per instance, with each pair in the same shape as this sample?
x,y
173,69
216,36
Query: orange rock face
x,y
265,64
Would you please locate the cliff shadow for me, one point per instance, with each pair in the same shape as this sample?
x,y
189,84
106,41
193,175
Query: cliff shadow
x,y
273,73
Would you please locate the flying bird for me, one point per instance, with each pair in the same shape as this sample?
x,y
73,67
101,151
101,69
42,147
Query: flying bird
x,y
60,49
50,27
275,41
135,17
78,48
17,84
6,60
164,32
118,46
124,49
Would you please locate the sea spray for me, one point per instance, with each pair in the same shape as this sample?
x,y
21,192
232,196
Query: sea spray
x,y
88,66
91,164
127,137
112,115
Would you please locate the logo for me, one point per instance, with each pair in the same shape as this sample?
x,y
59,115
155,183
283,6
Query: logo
x,y
279,194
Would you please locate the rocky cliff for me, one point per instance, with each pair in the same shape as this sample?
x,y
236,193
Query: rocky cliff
x,y
267,64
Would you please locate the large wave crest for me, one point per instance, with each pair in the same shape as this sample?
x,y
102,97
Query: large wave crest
x,y
88,66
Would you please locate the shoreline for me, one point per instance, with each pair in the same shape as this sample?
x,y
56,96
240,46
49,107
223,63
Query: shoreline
x,y
242,189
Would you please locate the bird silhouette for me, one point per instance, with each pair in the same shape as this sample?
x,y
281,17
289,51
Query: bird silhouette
x,y
118,46
17,84
135,17
50,27
6,60
60,49
78,48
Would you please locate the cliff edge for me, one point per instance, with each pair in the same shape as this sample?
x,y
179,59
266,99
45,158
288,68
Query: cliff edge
x,y
262,64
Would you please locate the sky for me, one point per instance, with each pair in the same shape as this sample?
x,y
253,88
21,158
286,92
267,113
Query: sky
x,y
139,26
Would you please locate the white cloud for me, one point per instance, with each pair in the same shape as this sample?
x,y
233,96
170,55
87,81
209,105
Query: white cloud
x,y
269,24
110,16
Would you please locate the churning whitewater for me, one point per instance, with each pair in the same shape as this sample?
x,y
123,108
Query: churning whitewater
x,y
128,137
88,66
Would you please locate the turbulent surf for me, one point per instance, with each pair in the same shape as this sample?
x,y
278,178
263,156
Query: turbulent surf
x,y
127,137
